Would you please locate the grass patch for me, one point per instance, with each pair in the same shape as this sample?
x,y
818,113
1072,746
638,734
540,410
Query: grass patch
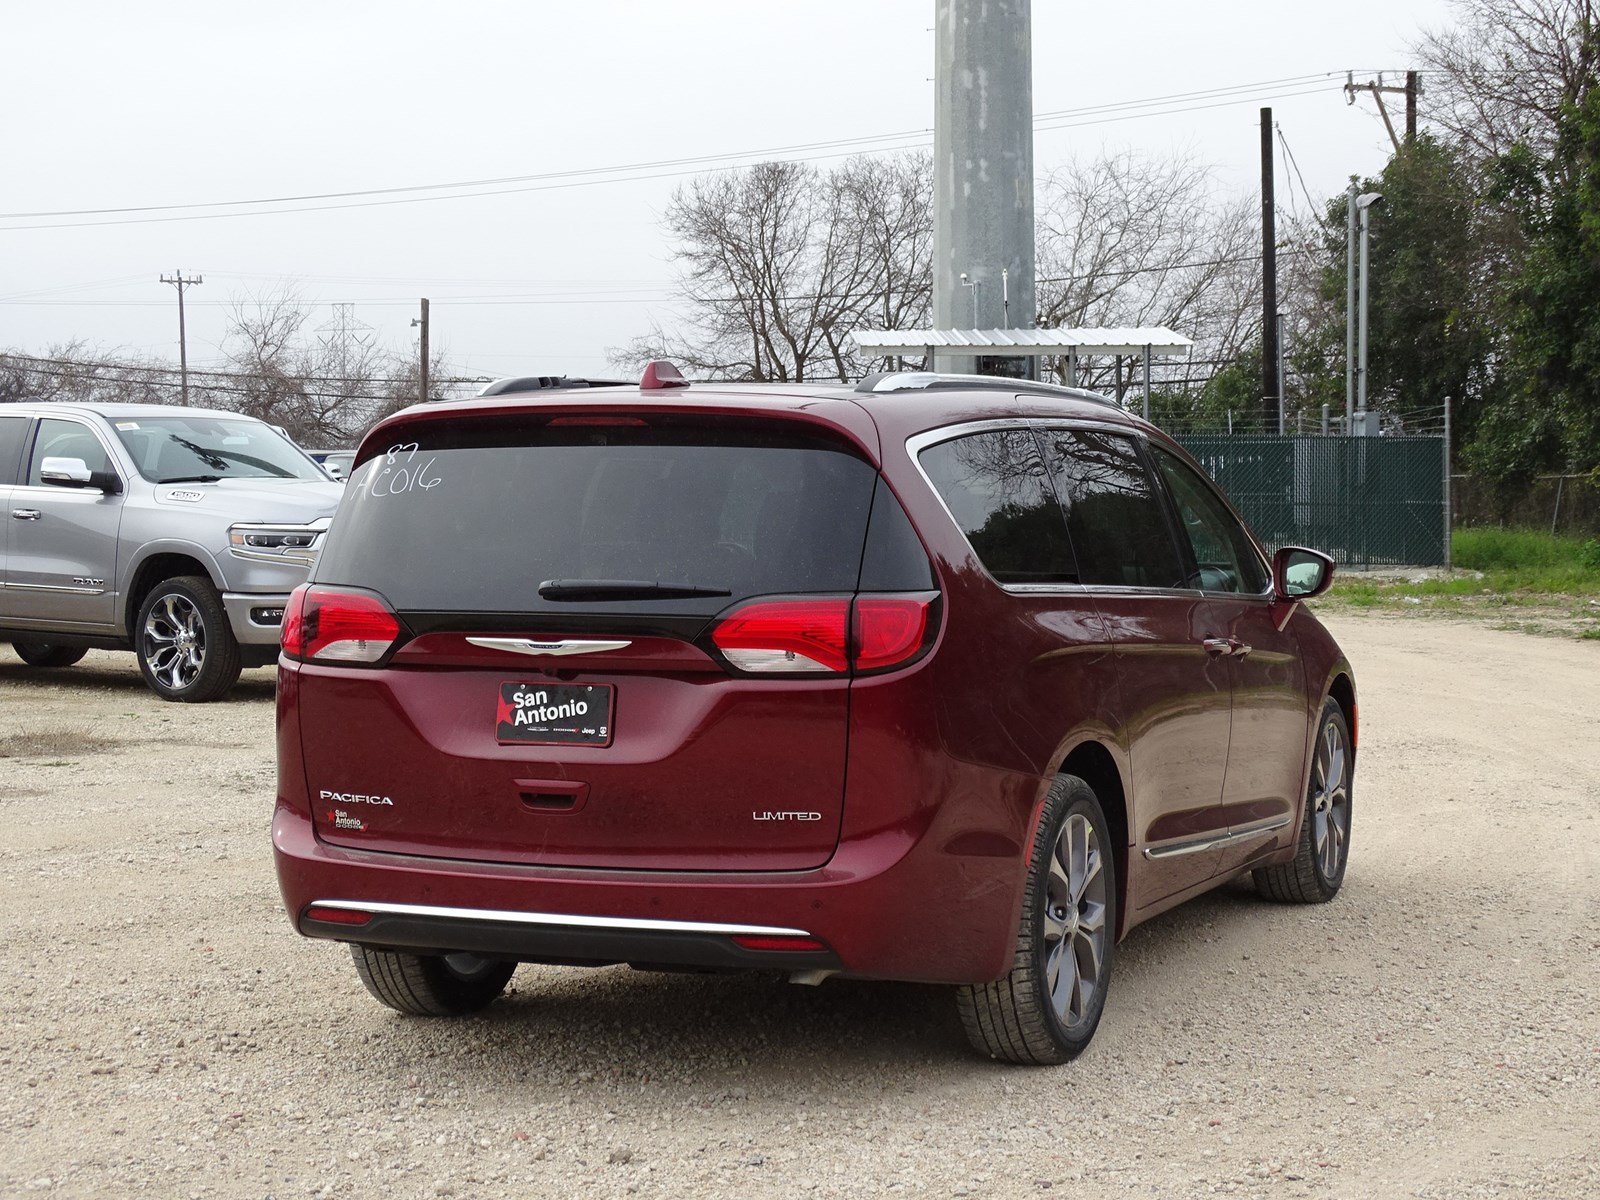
x,y
1515,577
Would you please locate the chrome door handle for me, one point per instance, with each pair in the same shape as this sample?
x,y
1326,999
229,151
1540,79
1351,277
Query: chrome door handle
x,y
1218,645
26,514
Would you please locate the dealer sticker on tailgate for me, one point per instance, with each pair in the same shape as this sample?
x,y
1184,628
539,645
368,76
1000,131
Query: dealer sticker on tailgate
x,y
554,714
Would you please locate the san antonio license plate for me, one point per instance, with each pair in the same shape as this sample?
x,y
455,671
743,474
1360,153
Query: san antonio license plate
x,y
554,714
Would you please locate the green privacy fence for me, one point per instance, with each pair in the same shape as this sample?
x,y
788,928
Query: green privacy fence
x,y
1367,501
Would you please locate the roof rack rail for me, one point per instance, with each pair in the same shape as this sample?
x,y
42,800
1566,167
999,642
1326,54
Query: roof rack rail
x,y
937,381
539,383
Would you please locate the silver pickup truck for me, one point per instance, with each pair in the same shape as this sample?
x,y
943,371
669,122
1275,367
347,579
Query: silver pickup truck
x,y
177,533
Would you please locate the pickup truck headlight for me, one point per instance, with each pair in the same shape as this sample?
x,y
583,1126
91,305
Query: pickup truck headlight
x,y
298,544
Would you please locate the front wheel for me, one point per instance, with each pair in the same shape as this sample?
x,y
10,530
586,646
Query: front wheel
x,y
1324,846
185,646
47,654
431,985
1047,1007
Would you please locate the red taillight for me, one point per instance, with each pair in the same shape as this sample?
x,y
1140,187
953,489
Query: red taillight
x,y
781,941
324,624
889,629
337,916
784,636
596,422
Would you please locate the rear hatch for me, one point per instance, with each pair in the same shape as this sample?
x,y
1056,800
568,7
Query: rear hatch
x,y
604,631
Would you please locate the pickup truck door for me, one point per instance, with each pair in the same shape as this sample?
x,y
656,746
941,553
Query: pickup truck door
x,y
61,550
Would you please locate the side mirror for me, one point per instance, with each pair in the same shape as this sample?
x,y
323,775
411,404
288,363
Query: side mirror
x,y
75,473
1300,574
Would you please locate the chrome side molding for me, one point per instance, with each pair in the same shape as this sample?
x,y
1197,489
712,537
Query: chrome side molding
x,y
1212,841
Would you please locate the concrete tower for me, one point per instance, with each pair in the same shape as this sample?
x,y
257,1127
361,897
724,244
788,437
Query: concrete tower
x,y
982,167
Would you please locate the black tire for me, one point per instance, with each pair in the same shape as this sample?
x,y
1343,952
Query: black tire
x,y
47,654
431,985
1014,1019
218,649
1309,879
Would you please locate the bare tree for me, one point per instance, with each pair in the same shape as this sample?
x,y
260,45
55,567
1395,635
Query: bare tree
x,y
1501,74
781,261
1124,240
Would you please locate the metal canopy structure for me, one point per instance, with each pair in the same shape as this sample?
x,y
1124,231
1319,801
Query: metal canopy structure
x,y
1158,341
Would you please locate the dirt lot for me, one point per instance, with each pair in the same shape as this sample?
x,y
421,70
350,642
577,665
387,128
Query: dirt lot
x,y
1434,1032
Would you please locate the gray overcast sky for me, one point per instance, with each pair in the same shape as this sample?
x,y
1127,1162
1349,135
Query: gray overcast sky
x,y
114,104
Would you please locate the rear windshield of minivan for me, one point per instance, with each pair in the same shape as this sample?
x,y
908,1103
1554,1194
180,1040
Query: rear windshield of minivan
x,y
475,519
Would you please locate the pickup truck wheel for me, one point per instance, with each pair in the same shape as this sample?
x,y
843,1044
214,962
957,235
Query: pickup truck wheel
x,y
185,646
47,654
431,985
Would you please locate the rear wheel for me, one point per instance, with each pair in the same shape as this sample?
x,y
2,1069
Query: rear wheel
x,y
185,646
1047,1007
47,654
1324,846
431,985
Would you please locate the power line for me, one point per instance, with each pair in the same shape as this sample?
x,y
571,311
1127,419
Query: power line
x,y
552,181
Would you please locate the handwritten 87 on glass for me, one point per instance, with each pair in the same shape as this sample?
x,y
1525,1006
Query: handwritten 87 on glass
x,y
401,471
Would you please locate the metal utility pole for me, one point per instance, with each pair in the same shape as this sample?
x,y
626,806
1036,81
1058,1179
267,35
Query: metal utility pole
x,y
178,281
1350,307
1279,325
983,164
1271,401
423,321
1364,204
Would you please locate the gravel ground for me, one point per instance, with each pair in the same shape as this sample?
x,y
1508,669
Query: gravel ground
x,y
1434,1032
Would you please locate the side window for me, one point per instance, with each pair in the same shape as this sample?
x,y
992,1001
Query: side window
x,y
65,439
1115,516
1223,554
12,431
996,486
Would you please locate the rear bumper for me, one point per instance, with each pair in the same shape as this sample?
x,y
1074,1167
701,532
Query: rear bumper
x,y
885,907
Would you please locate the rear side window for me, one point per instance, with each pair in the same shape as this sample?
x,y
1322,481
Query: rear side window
x,y
12,431
996,487
1114,513
475,520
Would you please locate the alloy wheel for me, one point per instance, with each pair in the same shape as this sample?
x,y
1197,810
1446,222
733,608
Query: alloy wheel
x,y
1330,801
1075,921
175,641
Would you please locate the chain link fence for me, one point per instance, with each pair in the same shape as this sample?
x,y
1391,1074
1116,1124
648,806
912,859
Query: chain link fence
x,y
1367,501
1562,504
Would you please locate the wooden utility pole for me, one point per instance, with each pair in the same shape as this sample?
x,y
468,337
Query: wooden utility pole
x,y
1377,87
1270,399
423,321
179,282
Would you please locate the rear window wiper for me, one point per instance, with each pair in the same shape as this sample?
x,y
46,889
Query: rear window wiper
x,y
622,589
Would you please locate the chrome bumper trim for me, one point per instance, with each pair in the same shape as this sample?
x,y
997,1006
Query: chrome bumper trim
x,y
567,920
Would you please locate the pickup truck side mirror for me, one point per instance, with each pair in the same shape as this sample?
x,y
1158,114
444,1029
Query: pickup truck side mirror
x,y
75,473
1300,574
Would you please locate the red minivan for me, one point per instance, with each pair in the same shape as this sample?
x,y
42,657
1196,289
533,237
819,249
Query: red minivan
x,y
935,678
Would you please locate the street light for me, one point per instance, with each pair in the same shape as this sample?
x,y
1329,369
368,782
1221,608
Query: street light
x,y
1364,205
